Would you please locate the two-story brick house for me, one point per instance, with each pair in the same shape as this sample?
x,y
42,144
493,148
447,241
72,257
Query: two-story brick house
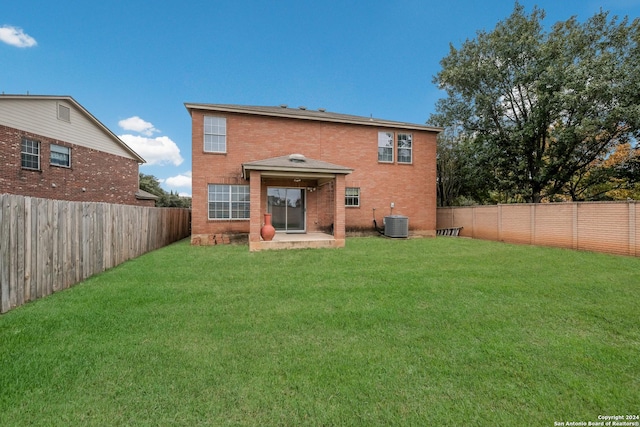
x,y
313,171
52,147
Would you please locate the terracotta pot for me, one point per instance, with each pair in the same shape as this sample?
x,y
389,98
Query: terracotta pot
x,y
267,231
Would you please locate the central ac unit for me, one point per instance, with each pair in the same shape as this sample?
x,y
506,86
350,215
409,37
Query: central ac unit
x,y
396,226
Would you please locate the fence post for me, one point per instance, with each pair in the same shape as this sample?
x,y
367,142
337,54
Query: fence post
x,y
499,230
532,225
632,227
4,254
575,226
473,222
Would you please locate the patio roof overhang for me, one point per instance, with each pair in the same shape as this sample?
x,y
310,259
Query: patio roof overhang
x,y
294,166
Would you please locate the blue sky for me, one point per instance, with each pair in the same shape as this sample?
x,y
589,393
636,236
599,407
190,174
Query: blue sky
x,y
133,64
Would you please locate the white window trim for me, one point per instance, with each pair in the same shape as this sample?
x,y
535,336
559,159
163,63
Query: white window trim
x,y
404,148
205,133
386,133
38,156
52,150
357,197
230,201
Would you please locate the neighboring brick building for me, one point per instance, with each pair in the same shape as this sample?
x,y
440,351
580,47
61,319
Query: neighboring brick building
x,y
315,171
51,147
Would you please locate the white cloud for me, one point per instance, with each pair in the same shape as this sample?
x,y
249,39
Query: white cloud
x,y
136,124
156,151
16,37
179,181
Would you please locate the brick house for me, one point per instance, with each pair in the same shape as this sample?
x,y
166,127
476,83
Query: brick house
x,y
317,173
52,147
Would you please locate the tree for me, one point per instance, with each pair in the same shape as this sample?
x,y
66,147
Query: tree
x,y
150,183
540,108
460,179
615,178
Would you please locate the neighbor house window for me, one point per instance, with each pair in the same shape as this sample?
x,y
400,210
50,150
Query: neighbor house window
x,y
228,201
352,196
405,148
30,154
215,134
60,156
385,147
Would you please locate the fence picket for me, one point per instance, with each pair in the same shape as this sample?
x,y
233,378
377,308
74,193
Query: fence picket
x,y
20,221
4,252
13,259
55,246
33,277
49,245
27,250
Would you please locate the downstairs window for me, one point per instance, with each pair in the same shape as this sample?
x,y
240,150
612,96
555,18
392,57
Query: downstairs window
x,y
228,201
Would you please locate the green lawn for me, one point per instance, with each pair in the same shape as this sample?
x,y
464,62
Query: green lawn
x,y
423,332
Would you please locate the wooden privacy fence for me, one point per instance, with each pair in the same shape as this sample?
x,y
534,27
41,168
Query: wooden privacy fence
x,y
49,245
611,227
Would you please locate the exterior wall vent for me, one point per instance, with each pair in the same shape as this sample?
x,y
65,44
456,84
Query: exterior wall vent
x,y
299,158
64,113
396,226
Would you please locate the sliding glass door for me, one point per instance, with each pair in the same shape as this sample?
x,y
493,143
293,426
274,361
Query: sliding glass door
x,y
287,207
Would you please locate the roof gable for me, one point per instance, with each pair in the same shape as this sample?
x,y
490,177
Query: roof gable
x,y
38,114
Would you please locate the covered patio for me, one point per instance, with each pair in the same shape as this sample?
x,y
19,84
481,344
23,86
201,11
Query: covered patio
x,y
305,198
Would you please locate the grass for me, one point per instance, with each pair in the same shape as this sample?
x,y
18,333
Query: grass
x,y
383,332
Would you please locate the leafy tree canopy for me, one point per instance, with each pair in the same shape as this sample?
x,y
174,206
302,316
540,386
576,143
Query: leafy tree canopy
x,y
150,183
538,108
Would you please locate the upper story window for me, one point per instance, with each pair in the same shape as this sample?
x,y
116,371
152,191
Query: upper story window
x,y
385,147
352,196
405,148
30,154
215,134
60,156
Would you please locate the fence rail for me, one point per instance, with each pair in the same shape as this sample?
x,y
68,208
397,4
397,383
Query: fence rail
x,y
610,227
50,245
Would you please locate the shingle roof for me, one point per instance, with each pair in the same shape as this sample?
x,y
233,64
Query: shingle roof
x,y
145,195
304,114
294,163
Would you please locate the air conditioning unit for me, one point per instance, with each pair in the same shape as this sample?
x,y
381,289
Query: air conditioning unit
x,y
396,226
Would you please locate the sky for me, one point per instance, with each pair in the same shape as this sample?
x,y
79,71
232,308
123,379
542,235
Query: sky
x,y
134,64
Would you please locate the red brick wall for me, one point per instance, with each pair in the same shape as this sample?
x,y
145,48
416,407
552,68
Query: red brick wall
x,y
611,227
94,176
553,225
516,224
249,138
